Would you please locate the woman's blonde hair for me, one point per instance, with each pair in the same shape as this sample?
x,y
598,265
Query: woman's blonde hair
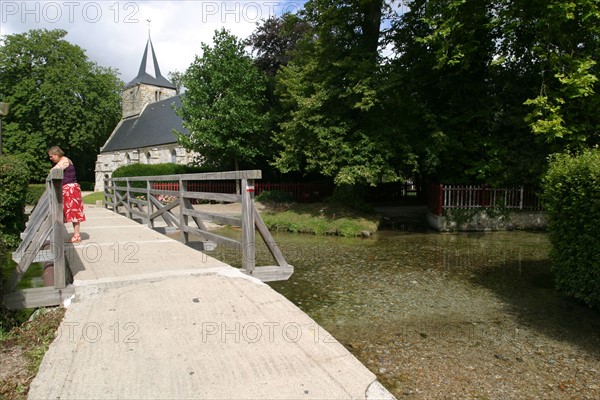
x,y
56,151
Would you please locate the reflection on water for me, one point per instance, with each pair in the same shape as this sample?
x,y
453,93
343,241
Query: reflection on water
x,y
348,280
467,296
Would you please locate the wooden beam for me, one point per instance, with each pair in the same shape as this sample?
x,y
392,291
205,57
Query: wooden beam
x,y
188,206
58,231
205,176
271,273
41,256
268,239
38,297
221,219
213,237
30,254
164,212
226,197
35,221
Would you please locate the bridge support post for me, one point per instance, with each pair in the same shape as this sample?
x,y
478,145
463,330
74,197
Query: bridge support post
x,y
54,188
183,218
150,208
248,232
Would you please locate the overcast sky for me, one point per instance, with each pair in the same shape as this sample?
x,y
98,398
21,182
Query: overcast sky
x,y
114,33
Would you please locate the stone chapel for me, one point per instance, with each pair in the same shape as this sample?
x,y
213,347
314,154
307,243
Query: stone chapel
x,y
145,132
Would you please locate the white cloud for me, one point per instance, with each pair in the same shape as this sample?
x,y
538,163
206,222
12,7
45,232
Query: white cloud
x,y
114,32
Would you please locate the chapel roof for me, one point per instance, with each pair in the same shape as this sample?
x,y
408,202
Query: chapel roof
x,y
153,127
149,72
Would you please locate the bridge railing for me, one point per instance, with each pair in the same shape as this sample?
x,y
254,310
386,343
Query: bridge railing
x,y
42,241
140,197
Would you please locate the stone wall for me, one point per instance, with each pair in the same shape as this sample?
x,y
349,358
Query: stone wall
x,y
488,221
136,97
106,163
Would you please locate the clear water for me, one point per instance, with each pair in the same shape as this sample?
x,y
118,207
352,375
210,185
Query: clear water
x,y
468,296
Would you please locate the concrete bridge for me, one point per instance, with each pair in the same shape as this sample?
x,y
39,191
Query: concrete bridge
x,y
154,318
149,317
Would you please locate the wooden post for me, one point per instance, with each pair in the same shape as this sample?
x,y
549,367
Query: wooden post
x,y
54,188
127,197
521,199
149,209
106,192
440,208
248,232
183,218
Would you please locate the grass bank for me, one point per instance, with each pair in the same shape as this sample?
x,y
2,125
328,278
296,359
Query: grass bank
x,y
22,350
320,219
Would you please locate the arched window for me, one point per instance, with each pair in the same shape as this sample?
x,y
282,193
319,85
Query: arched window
x,y
174,156
148,157
127,159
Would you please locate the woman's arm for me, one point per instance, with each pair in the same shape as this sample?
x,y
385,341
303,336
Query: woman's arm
x,y
62,163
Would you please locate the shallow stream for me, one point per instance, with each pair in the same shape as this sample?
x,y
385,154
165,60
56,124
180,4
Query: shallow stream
x,y
463,315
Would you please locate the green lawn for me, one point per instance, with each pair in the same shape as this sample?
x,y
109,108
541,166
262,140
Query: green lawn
x,y
93,197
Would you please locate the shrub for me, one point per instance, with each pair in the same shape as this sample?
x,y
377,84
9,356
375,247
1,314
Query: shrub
x,y
149,170
572,200
352,196
87,186
14,176
34,192
275,197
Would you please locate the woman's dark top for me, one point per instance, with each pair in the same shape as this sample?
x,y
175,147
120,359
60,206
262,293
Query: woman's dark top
x,y
69,175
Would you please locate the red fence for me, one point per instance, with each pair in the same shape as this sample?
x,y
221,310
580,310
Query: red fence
x,y
444,197
302,192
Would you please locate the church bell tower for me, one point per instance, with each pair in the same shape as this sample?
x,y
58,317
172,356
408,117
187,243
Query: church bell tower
x,y
148,86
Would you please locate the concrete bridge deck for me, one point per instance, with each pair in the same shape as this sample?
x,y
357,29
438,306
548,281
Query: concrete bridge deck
x,y
154,319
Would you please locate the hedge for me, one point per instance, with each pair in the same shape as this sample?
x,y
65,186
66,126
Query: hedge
x,y
572,200
14,176
34,193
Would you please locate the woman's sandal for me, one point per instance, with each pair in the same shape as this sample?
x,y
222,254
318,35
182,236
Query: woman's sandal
x,y
75,239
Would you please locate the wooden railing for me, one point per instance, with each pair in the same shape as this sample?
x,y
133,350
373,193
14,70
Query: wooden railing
x,y
446,197
42,241
301,192
140,198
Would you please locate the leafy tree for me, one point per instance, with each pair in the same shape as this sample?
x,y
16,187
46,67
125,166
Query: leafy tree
x,y
488,89
446,50
57,97
563,38
275,41
13,179
176,79
224,105
333,121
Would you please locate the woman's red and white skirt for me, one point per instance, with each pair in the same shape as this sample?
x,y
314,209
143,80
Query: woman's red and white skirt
x,y
72,203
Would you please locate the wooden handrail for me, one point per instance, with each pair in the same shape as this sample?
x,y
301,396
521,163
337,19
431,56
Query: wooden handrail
x,y
118,192
45,228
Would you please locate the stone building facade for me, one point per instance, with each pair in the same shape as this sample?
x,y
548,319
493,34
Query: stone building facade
x,y
145,132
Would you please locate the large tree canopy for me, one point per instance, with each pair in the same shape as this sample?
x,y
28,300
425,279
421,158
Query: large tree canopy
x,y
456,90
332,119
276,40
56,97
224,105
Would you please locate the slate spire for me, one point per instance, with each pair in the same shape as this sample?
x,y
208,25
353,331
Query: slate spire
x,y
149,72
